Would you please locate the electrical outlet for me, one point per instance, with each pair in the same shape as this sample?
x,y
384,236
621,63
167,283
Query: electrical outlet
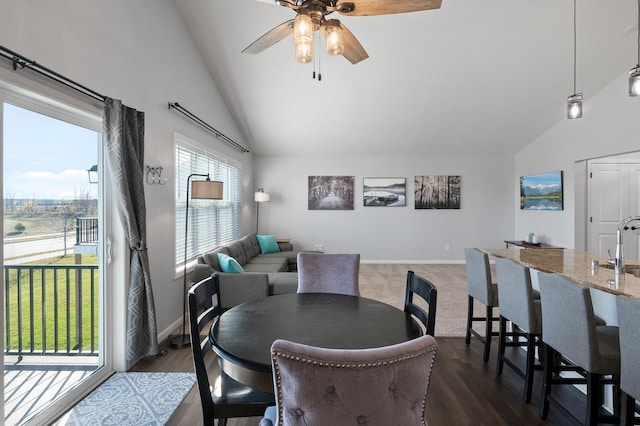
x,y
446,247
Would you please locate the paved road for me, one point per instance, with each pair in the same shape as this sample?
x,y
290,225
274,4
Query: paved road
x,y
16,250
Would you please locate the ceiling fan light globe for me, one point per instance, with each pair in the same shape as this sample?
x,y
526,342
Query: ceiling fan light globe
x,y
302,29
335,39
574,106
304,52
634,81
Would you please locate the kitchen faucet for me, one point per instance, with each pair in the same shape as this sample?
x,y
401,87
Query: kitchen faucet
x,y
618,261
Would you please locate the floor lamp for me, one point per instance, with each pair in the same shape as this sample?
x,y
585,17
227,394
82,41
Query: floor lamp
x,y
260,197
200,190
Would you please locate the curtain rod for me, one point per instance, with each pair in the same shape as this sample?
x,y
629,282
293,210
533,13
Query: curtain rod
x,y
22,62
206,126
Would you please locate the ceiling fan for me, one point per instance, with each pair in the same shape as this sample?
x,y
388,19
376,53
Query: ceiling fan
x,y
311,16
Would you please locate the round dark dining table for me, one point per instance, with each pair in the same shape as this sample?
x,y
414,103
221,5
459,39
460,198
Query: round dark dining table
x,y
242,336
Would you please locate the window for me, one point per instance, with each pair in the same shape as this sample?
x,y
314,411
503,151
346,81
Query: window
x,y
212,223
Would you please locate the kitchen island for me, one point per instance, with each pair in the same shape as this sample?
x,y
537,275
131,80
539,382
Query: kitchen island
x,y
576,265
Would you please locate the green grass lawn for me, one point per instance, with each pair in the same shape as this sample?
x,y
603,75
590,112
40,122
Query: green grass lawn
x,y
43,329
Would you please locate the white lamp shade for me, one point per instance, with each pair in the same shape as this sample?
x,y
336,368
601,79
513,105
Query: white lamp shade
x,y
206,189
262,197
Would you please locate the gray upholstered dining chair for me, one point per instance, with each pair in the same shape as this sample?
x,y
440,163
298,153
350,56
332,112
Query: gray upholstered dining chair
x,y
379,386
628,319
481,288
227,398
569,332
329,273
427,291
519,305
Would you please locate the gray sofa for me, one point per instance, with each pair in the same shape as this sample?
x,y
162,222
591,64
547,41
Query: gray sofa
x,y
265,274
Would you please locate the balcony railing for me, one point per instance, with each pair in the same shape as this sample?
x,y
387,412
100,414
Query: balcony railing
x,y
51,310
86,230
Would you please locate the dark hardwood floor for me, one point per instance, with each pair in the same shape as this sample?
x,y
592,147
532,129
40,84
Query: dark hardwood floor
x,y
463,391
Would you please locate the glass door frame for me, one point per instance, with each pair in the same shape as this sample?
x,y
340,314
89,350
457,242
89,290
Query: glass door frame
x,y
42,98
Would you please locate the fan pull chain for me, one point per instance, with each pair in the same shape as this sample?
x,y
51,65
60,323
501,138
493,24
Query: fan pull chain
x,y
319,58
316,53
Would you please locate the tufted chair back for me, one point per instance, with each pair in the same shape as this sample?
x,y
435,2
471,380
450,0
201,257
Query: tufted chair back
x,y
379,386
329,273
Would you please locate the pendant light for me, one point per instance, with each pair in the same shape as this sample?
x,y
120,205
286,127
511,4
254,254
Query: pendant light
x,y
574,102
634,73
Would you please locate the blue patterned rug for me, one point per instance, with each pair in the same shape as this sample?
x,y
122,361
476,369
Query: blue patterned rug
x,y
140,399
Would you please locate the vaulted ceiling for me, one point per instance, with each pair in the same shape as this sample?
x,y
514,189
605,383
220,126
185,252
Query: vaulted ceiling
x,y
473,77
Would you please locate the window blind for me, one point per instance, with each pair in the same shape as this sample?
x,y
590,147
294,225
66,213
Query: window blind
x,y
212,223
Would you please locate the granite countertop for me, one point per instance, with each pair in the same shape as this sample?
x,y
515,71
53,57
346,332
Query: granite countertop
x,y
576,265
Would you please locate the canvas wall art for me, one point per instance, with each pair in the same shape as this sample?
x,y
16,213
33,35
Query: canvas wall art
x,y
384,192
541,192
437,192
330,192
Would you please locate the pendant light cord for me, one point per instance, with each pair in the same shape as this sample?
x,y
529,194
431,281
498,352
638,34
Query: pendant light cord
x,y
638,31
575,45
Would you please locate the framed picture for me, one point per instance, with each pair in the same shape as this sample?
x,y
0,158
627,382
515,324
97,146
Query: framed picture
x,y
384,192
330,192
541,192
437,192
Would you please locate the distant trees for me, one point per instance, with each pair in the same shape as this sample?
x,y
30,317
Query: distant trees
x,y
437,192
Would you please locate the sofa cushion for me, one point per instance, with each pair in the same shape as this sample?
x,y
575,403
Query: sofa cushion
x,y
237,252
211,258
281,266
228,263
268,244
250,246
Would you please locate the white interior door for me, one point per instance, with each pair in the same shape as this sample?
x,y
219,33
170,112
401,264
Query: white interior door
x,y
613,195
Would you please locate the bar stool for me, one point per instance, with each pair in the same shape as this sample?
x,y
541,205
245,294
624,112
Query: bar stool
x,y
628,318
569,329
480,287
518,305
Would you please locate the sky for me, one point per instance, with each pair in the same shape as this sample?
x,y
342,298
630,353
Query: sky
x,y
46,158
543,179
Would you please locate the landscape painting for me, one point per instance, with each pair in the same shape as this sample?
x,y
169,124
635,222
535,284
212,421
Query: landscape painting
x,y
541,192
437,192
331,192
384,192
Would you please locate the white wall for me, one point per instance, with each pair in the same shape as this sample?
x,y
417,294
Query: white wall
x,y
389,234
610,125
140,52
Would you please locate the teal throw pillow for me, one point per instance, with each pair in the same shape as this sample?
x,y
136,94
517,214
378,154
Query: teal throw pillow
x,y
228,263
268,244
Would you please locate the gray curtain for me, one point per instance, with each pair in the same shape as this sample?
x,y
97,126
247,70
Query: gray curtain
x,y
124,142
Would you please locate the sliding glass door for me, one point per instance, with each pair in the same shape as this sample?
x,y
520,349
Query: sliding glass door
x,y
54,286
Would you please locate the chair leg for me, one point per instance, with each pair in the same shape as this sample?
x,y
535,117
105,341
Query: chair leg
x,y
530,368
594,398
548,354
467,338
502,338
628,410
489,331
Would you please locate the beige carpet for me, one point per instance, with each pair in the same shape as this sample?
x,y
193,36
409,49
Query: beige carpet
x,y
386,282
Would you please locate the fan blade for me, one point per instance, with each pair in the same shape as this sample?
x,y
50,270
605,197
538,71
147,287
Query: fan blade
x,y
270,38
382,7
353,50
